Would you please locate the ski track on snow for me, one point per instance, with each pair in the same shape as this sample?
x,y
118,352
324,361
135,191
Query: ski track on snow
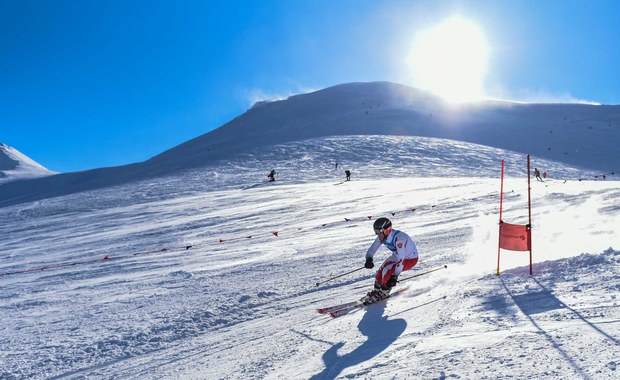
x,y
246,308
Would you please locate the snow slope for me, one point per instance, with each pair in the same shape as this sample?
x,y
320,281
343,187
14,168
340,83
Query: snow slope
x,y
183,276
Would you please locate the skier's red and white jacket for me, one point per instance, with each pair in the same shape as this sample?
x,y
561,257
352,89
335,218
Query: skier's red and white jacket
x,y
400,244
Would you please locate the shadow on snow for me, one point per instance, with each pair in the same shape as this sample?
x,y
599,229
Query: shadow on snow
x,y
542,301
381,333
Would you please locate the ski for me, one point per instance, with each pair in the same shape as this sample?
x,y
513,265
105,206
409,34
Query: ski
x,y
358,305
329,309
345,308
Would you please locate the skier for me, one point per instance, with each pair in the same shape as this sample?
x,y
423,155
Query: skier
x,y
537,175
404,257
348,174
272,175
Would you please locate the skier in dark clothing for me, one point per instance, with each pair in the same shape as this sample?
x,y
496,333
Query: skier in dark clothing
x,y
348,174
537,175
272,175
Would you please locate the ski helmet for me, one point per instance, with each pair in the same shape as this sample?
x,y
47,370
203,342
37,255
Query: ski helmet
x,y
382,225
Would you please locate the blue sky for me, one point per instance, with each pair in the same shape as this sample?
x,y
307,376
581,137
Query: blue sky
x,y
86,84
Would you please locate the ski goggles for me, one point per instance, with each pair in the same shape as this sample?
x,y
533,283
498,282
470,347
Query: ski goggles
x,y
381,230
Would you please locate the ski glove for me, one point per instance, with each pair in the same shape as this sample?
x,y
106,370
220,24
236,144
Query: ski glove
x,y
369,264
392,282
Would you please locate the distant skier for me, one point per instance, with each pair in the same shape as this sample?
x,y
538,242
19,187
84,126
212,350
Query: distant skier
x,y
404,257
348,174
545,175
272,175
537,175
336,166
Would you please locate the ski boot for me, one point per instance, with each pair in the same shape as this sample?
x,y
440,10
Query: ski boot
x,y
375,295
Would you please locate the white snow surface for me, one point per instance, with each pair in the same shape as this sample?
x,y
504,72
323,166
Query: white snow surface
x,y
15,165
196,285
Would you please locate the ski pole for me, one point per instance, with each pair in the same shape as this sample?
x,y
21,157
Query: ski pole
x,y
422,274
340,275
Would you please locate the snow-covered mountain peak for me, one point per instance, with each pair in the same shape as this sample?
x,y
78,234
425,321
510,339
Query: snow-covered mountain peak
x,y
16,165
6,160
575,134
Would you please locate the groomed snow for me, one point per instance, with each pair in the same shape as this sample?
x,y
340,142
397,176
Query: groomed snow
x,y
245,308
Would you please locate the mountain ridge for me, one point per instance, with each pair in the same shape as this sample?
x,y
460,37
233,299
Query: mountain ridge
x,y
547,131
384,108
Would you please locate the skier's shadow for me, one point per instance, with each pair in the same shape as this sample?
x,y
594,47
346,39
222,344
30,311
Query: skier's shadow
x,y
381,333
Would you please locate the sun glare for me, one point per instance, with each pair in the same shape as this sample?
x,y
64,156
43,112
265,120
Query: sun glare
x,y
450,60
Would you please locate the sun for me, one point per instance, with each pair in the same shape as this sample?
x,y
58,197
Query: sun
x,y
450,60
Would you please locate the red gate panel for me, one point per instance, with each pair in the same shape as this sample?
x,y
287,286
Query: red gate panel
x,y
514,237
